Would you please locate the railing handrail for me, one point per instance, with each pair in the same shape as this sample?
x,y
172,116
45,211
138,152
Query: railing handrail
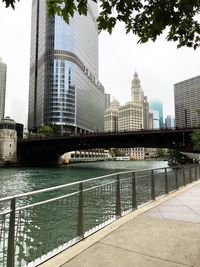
x,y
76,183
114,187
81,181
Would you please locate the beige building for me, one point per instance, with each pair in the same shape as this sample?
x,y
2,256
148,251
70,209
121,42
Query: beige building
x,y
132,116
111,116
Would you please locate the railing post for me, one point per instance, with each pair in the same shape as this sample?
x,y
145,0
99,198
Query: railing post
x,y
118,198
190,174
134,196
176,178
80,230
166,182
195,169
11,236
153,197
184,182
199,172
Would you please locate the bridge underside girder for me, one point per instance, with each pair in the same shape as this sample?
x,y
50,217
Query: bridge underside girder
x,y
48,150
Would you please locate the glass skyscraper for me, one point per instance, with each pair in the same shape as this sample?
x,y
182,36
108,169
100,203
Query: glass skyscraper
x,y
3,70
157,106
64,88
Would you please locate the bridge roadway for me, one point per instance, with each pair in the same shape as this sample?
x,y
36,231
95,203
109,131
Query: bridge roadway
x,y
165,233
48,149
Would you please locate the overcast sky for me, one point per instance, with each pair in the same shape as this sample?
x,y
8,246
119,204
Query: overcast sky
x,y
159,65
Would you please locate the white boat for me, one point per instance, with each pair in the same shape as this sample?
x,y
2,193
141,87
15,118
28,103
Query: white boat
x,y
122,158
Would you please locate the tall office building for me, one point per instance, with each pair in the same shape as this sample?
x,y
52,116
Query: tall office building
x,y
64,88
133,115
169,122
107,101
156,121
187,102
157,105
129,117
112,116
3,70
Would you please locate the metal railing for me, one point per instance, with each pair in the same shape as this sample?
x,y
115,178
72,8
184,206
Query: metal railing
x,y
37,225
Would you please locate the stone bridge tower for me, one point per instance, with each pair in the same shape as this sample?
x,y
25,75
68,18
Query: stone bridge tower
x,y
8,142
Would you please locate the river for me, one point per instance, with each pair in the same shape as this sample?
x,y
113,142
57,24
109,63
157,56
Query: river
x,y
15,181
39,229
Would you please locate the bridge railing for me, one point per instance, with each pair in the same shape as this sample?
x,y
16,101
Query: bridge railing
x,y
37,225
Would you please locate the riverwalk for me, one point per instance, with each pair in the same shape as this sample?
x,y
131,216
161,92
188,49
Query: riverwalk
x,y
163,233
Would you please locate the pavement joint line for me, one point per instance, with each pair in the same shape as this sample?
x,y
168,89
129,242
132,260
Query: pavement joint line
x,y
73,251
143,254
192,210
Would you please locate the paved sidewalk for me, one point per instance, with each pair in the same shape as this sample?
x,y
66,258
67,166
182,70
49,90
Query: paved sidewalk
x,y
167,235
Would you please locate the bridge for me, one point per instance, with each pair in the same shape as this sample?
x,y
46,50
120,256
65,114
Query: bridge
x,y
48,149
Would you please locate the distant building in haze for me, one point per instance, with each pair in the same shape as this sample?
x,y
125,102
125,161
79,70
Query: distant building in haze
x,y
187,102
3,70
169,122
107,101
156,122
150,120
64,89
157,106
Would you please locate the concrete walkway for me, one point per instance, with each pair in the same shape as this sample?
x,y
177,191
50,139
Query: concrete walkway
x,y
165,233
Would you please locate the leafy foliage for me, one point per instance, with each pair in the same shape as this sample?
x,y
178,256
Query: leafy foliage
x,y
145,18
160,152
10,3
45,130
115,152
176,157
196,139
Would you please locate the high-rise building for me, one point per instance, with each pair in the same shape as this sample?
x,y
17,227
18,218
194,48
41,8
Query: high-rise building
x,y
107,101
129,117
112,116
133,115
157,105
3,70
150,119
155,114
169,122
187,102
64,89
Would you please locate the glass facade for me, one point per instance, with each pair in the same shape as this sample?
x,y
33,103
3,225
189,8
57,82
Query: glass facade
x,y
64,87
157,105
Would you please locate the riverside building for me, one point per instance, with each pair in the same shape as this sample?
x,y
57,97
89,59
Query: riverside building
x,y
187,102
64,88
132,116
3,70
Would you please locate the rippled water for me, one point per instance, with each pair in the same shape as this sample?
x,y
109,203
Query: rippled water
x,y
20,180
39,229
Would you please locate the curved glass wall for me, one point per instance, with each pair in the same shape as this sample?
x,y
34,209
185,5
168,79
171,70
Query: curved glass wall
x,y
64,86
